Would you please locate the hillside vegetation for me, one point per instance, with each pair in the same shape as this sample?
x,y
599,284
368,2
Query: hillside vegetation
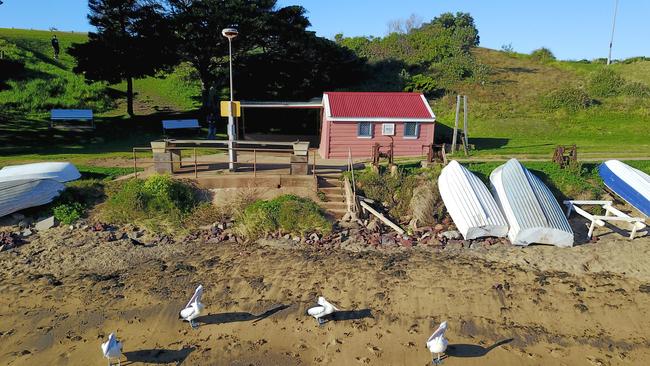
x,y
518,105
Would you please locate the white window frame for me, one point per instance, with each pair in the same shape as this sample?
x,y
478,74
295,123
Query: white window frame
x,y
359,130
417,131
388,129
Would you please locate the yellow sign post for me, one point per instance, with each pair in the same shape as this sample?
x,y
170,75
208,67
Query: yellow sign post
x,y
226,109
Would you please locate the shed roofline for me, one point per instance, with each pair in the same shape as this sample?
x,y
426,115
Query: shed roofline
x,y
380,119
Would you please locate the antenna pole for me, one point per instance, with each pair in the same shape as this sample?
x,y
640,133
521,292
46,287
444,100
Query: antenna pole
x,y
611,40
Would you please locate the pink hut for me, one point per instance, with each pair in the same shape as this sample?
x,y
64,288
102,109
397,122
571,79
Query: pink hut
x,y
355,121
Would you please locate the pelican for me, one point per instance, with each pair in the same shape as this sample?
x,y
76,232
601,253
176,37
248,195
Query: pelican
x,y
112,349
193,308
437,343
323,309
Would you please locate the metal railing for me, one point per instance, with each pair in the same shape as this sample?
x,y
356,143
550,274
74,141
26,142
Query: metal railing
x,y
196,162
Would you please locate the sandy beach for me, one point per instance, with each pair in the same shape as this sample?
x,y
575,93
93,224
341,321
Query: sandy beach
x,y
64,291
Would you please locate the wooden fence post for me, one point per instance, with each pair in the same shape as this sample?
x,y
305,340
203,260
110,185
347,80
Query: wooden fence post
x,y
453,139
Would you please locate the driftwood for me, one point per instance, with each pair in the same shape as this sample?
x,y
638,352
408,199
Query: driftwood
x,y
381,217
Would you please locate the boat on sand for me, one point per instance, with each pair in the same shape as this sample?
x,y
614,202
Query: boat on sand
x,y
631,184
533,213
470,204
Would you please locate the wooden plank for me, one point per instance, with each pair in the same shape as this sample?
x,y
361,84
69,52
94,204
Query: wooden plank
x,y
453,139
382,217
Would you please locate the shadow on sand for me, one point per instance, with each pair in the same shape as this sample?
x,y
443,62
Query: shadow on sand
x,y
158,356
224,318
473,350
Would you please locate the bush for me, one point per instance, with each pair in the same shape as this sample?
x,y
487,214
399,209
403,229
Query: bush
x,y
606,83
421,83
68,213
567,97
542,55
426,205
636,89
159,202
394,192
287,213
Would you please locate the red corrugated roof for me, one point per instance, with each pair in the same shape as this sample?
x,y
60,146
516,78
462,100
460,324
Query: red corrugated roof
x,y
377,105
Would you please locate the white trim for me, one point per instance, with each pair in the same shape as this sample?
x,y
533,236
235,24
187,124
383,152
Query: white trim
x,y
326,104
373,119
426,103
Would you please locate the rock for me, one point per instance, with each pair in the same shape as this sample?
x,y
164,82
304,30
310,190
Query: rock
x,y
373,225
25,223
286,237
425,235
221,226
387,240
438,228
451,235
71,227
314,237
474,245
296,238
17,216
406,243
26,233
45,224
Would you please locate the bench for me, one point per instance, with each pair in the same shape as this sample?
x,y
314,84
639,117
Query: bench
x,y
180,124
71,115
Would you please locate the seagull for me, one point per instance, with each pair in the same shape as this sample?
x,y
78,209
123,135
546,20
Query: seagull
x,y
323,309
112,349
193,308
437,343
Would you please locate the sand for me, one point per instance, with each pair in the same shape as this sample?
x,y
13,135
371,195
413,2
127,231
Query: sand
x,y
65,291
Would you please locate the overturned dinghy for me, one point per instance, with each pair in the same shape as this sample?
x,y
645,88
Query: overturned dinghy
x,y
629,183
30,185
533,213
16,195
470,204
58,171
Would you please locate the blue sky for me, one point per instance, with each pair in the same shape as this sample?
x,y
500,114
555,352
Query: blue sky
x,y
572,29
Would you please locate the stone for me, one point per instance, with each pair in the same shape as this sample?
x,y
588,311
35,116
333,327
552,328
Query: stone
x,y
474,245
373,225
25,223
387,240
406,243
26,233
451,235
220,226
296,238
287,237
45,224
438,228
314,237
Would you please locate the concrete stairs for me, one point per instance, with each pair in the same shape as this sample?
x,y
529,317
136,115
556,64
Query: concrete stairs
x,y
330,185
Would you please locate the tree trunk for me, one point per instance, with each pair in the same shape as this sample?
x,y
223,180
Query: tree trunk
x,y
129,96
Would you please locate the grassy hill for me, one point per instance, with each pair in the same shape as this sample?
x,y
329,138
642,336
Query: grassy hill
x,y
507,115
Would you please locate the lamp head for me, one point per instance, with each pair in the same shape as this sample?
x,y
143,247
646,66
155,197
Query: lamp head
x,y
229,33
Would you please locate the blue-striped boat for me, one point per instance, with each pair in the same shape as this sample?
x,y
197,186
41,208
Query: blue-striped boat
x,y
631,184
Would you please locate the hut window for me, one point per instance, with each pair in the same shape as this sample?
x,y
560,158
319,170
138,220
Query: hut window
x,y
364,129
411,130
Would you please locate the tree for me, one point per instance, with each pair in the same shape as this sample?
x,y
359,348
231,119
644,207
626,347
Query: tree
x,y
461,25
133,40
273,56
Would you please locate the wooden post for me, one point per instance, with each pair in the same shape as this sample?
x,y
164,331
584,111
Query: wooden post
x,y
465,128
196,172
453,139
135,164
254,163
313,167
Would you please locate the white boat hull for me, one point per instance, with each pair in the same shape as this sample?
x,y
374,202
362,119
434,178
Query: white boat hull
x,y
58,171
533,213
470,204
16,195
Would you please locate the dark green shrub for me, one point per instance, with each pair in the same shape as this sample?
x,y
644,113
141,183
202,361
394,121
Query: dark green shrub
x,y
636,89
605,83
287,213
159,202
421,83
567,97
68,213
542,55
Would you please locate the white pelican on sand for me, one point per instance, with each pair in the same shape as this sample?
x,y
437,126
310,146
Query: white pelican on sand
x,y
324,308
112,349
437,343
193,308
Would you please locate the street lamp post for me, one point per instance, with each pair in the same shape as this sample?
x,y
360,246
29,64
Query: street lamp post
x,y
231,33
